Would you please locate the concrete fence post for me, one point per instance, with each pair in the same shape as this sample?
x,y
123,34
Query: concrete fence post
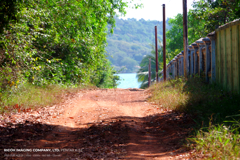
x,y
207,43
195,57
174,68
181,64
213,56
189,62
161,73
167,70
191,51
178,64
171,71
200,55
182,60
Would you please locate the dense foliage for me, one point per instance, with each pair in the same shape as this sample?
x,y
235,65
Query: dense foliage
x,y
215,13
131,41
175,34
8,11
56,41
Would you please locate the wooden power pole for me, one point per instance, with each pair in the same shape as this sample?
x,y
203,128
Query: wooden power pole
x,y
156,49
164,44
185,38
149,73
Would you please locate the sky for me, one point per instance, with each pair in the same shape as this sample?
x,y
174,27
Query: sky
x,y
152,9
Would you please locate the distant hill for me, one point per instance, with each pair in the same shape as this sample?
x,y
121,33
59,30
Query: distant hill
x,y
131,40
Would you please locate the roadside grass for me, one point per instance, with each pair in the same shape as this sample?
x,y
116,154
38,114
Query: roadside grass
x,y
214,110
169,94
218,142
28,96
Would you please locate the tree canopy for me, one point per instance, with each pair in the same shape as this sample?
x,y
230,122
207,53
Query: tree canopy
x,y
56,41
175,34
215,13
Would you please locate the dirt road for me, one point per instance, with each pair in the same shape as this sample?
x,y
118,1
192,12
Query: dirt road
x,y
96,124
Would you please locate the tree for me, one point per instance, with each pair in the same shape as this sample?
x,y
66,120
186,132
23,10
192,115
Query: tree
x,y
58,42
142,73
8,12
175,34
215,13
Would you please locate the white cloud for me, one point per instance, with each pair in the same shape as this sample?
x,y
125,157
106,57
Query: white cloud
x,y
152,9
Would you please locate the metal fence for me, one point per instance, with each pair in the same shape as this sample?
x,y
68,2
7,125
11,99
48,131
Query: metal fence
x,y
215,57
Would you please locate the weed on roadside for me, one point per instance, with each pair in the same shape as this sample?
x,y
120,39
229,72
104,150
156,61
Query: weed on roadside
x,y
28,96
169,94
218,142
216,133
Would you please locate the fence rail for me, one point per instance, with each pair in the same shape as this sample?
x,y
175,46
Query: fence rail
x,y
215,57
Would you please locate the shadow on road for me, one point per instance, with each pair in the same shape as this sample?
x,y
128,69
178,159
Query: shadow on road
x,y
119,137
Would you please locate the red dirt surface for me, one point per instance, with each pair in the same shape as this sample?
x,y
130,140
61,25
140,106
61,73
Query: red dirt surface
x,y
96,124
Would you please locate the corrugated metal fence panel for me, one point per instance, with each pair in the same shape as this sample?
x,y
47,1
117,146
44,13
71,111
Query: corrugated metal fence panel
x,y
223,59
235,58
218,49
228,58
238,56
225,54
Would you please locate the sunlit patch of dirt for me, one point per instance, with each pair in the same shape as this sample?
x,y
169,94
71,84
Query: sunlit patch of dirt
x,y
97,124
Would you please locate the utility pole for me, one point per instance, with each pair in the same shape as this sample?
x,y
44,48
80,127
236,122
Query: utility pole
x,y
156,49
149,73
164,44
185,38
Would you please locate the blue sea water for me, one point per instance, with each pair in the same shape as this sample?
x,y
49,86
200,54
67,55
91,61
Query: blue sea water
x,y
128,80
